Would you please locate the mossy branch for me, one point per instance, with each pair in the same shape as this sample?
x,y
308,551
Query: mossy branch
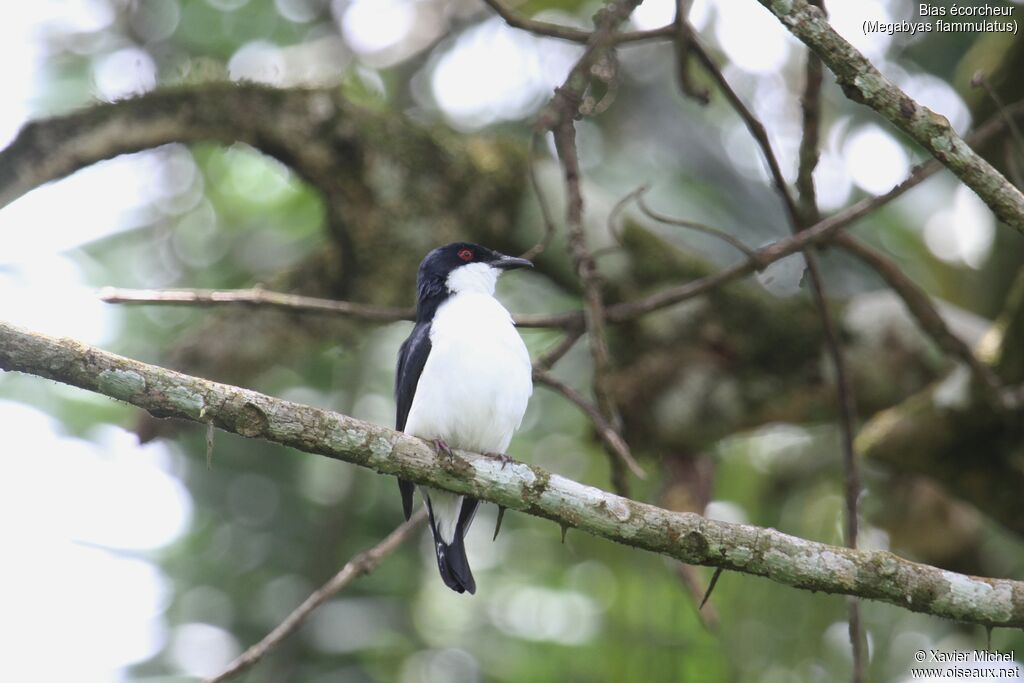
x,y
684,536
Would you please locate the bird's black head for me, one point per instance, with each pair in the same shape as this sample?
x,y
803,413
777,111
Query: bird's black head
x,y
458,267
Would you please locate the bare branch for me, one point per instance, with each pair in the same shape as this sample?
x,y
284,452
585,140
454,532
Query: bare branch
x,y
711,587
753,124
687,537
298,303
360,565
574,35
254,297
692,225
545,211
810,107
691,579
593,310
611,438
548,359
684,53
924,312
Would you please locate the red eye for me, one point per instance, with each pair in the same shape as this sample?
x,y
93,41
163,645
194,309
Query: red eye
x,y
465,254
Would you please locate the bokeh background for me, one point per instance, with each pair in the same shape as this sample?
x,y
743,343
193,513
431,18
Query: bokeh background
x,y
128,558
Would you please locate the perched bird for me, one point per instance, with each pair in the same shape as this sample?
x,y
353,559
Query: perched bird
x,y
463,381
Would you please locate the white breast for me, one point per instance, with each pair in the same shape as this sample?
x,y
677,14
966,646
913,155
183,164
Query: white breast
x,y
477,379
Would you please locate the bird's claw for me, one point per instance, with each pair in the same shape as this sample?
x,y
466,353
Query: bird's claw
x,y
444,449
502,458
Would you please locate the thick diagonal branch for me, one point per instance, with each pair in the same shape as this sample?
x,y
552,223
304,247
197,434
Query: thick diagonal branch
x,y
684,536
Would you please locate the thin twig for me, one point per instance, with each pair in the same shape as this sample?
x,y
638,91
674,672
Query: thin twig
x,y
586,269
920,306
691,579
545,211
851,466
683,58
564,106
255,297
810,107
1012,162
304,304
575,35
711,586
547,360
613,216
605,430
1001,109
692,225
753,124
363,563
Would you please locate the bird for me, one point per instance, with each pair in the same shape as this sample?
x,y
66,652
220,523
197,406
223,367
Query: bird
x,y
463,380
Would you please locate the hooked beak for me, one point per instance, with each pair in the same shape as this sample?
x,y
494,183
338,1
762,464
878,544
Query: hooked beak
x,y
511,263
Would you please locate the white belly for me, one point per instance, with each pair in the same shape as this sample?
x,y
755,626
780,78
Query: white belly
x,y
476,383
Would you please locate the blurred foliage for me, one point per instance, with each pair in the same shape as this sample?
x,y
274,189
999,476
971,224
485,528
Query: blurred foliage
x,y
269,526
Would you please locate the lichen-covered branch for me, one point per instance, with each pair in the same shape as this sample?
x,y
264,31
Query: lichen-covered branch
x,y
863,83
685,536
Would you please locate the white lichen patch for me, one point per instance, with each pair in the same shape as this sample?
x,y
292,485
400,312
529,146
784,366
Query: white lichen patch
x,y
840,566
969,596
347,439
121,383
619,509
941,143
953,393
863,84
573,490
888,565
503,474
188,402
739,556
380,448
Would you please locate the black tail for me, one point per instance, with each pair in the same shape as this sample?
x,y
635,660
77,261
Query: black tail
x,y
407,488
451,557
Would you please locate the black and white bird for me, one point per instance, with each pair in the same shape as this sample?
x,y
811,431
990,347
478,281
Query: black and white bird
x,y
463,381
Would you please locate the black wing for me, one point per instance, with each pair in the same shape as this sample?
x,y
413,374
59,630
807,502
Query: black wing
x,y
411,359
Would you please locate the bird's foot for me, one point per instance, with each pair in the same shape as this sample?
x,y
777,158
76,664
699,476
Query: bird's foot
x,y
500,457
444,449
